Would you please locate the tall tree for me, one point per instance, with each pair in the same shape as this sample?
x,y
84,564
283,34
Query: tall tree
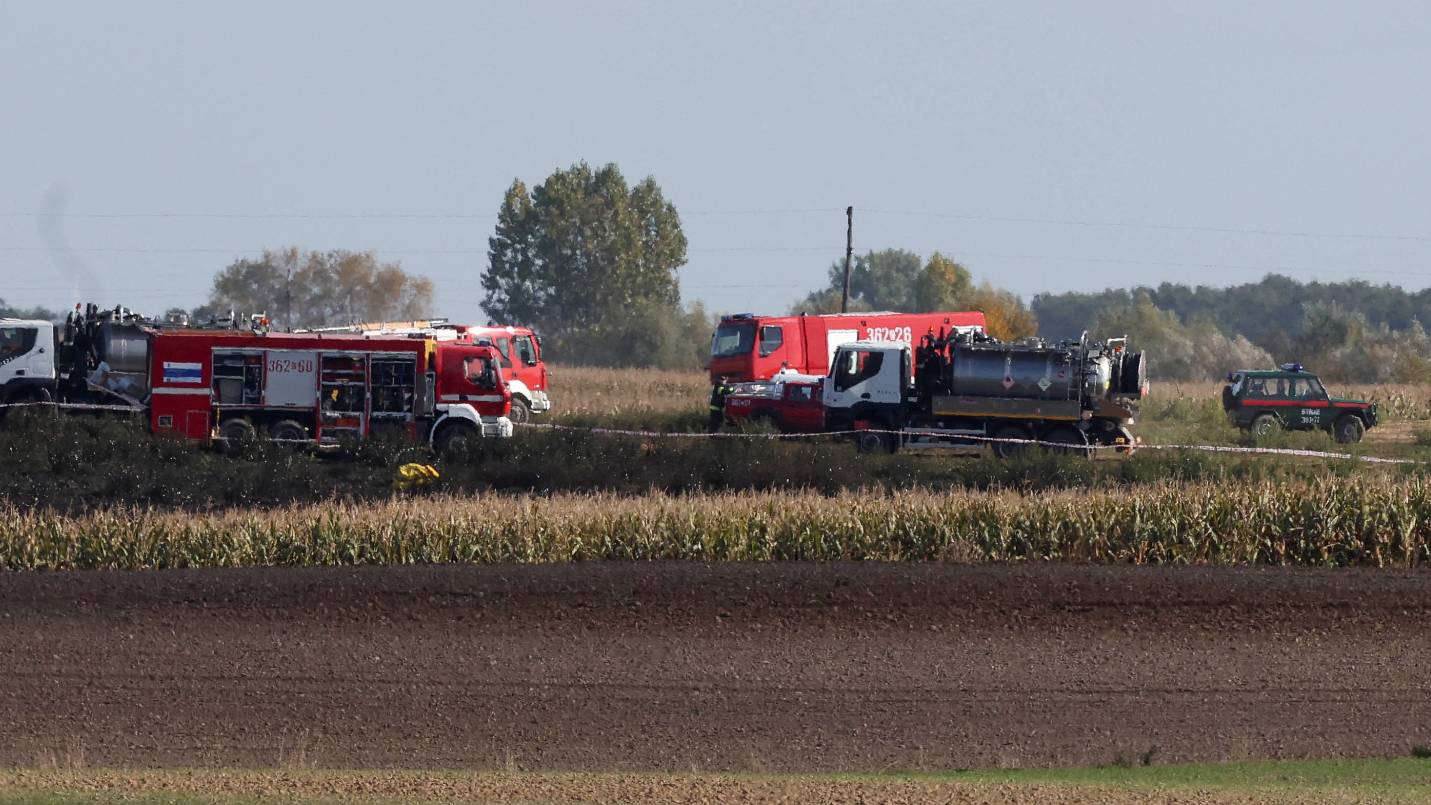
x,y
583,258
315,289
942,285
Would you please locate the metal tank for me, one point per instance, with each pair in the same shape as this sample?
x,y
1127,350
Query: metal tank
x,y
124,347
1034,371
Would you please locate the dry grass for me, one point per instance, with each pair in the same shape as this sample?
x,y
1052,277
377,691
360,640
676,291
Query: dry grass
x,y
1377,520
588,391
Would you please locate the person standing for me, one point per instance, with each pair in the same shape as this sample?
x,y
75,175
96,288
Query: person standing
x,y
718,394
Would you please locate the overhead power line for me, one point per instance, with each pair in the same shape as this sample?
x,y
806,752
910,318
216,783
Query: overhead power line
x,y
1046,258
959,216
1222,230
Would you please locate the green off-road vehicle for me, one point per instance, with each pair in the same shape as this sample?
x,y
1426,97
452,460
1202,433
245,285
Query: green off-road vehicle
x,y
1266,400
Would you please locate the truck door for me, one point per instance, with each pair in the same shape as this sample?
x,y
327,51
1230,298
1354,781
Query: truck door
x,y
470,375
864,376
524,362
804,412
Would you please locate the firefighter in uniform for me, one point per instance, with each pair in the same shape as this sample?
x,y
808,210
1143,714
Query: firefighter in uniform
x,y
718,392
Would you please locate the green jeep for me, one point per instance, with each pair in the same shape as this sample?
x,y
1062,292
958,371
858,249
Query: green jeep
x,y
1265,400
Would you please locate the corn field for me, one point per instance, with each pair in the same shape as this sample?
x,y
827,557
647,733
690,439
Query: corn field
x,y
1358,521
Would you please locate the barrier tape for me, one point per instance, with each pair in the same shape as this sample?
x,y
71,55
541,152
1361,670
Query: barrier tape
x,y
654,434
1210,448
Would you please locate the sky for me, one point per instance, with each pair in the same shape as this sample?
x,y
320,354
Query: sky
x,y
1049,146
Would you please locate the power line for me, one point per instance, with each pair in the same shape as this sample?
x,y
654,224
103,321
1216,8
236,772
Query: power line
x,y
356,216
1047,258
1013,219
1223,230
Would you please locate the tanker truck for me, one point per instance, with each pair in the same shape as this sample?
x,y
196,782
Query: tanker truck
x,y
965,389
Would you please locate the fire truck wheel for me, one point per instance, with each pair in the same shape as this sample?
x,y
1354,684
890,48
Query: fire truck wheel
x,y
1010,449
233,433
287,430
455,437
521,411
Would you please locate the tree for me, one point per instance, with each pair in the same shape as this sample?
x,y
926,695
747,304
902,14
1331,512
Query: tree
x,y
316,289
827,300
1194,351
591,263
1005,316
942,285
890,279
7,312
882,280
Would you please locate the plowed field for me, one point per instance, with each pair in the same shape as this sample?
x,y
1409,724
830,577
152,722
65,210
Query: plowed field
x,y
670,666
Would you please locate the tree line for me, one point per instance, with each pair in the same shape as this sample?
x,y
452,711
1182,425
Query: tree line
x,y
1350,331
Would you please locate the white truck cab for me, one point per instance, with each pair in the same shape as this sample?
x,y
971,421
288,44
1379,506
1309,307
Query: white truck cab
x,y
27,360
868,373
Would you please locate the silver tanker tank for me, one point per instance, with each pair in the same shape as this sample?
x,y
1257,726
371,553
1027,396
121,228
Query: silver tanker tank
x,y
1014,370
1039,370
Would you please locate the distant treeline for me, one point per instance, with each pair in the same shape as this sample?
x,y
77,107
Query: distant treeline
x,y
1352,331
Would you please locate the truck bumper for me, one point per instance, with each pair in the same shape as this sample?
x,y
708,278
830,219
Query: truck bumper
x,y
498,427
540,402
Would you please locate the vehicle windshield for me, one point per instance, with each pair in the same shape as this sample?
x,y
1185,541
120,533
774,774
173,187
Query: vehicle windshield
x,y
732,339
16,341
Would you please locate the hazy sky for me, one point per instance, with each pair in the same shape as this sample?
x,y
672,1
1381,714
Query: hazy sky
x,y
1048,146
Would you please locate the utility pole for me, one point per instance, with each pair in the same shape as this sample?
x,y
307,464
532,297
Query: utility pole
x,y
849,253
288,300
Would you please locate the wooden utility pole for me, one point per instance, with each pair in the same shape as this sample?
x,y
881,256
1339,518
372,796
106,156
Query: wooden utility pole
x,y
849,253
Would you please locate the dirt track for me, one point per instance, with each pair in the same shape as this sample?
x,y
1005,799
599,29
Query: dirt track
x,y
677,666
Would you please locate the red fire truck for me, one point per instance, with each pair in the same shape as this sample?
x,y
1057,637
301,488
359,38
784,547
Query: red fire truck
x,y
231,384
519,348
747,347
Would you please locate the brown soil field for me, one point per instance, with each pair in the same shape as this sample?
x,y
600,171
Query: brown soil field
x,y
682,667
522,788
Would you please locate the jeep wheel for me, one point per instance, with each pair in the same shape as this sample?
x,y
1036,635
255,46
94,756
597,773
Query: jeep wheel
x,y
1349,430
1266,425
